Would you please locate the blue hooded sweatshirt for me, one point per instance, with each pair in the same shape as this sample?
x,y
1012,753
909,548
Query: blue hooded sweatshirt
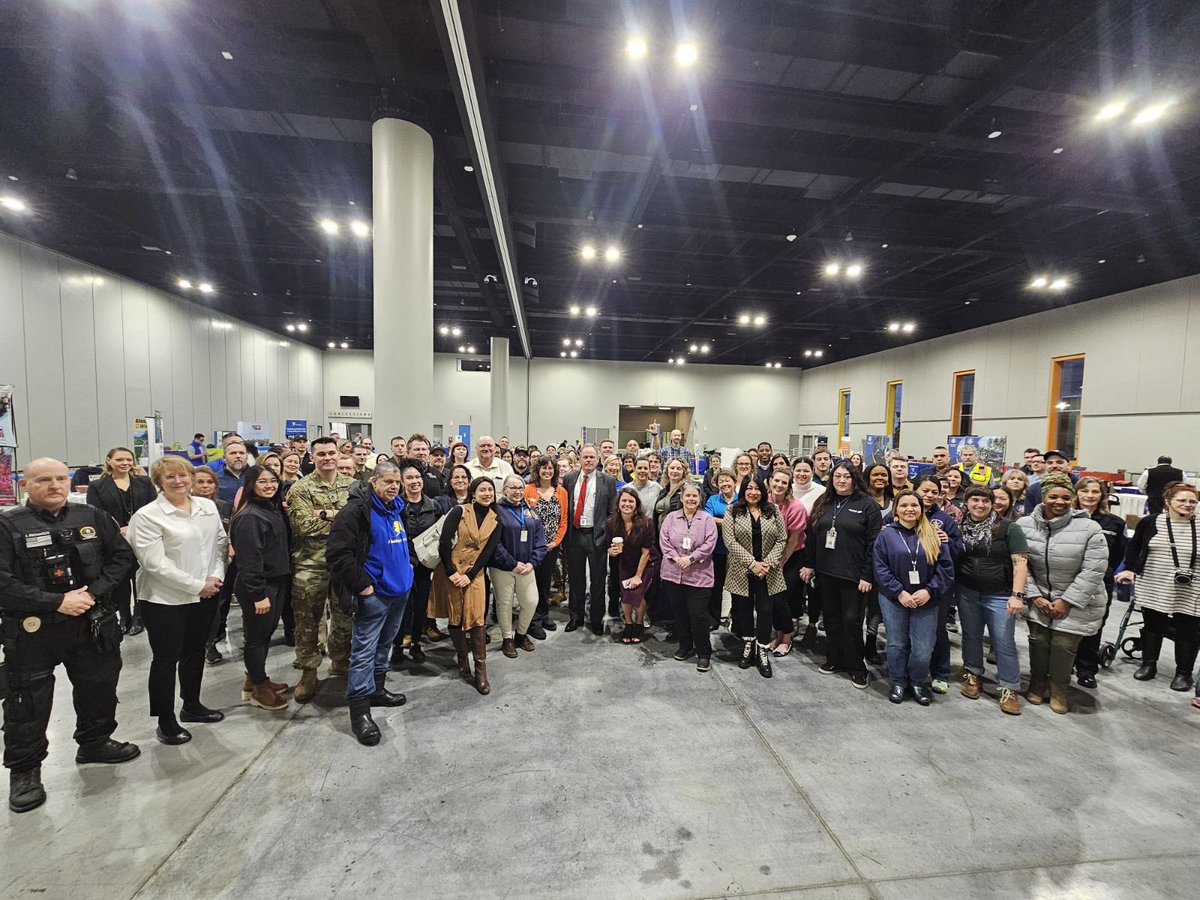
x,y
388,562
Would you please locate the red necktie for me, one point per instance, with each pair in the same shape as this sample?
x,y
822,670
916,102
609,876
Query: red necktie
x,y
580,502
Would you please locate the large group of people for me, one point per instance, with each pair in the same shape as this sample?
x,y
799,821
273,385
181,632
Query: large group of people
x,y
365,557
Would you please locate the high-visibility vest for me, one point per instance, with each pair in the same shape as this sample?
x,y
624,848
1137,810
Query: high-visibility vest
x,y
979,473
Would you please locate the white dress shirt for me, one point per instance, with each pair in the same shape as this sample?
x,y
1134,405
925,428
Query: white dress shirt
x,y
177,550
497,471
589,502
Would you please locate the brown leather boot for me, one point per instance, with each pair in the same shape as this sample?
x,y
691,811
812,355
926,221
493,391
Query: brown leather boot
x,y
1036,694
307,688
264,697
459,640
479,651
1058,700
509,648
277,686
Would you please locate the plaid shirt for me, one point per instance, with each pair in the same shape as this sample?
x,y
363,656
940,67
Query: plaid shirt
x,y
669,453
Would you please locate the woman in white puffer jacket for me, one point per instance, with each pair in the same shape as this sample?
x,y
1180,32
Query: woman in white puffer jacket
x,y
1068,556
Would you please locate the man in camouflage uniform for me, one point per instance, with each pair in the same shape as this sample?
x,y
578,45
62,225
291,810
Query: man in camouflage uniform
x,y
313,502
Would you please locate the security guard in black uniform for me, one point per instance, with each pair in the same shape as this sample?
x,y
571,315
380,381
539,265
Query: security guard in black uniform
x,y
58,563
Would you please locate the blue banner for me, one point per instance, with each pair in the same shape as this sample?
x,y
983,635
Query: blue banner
x,y
295,428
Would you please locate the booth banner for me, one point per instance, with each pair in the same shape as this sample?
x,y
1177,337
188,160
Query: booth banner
x,y
255,432
992,450
141,440
295,428
8,487
875,448
8,432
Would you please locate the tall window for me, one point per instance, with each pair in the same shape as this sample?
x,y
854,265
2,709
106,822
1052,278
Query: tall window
x,y
1066,404
895,401
962,415
844,416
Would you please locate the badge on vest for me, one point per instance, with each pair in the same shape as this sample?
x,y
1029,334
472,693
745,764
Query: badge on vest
x,y
40,539
87,533
31,624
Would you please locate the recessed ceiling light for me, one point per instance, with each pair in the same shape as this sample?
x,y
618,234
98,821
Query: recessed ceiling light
x,y
894,326
205,287
639,224
302,327
578,342
329,226
13,203
818,353
185,284
443,330
995,134
779,365
768,364
344,345
854,270
636,47
587,251
352,203
1057,150
680,361
1059,284
694,107
226,54
704,348
562,353
290,326
573,310
909,327
566,342
808,353
612,253
832,268
591,312
331,345
456,331
468,168
1151,113
743,320
790,238
695,348
462,348
574,354
1102,261
470,348
671,361
760,320
361,229
686,54
884,246
1110,111
16,178
1040,282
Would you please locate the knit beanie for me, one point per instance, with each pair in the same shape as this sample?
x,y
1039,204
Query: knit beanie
x,y
1057,480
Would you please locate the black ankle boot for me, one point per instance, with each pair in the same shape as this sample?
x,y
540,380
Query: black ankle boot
x,y
384,697
364,726
1182,681
1151,647
25,791
747,659
764,660
1148,671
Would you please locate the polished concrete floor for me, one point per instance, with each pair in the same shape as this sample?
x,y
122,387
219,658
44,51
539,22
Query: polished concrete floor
x,y
600,770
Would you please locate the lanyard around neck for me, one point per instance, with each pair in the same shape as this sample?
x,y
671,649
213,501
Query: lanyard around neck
x,y
1175,550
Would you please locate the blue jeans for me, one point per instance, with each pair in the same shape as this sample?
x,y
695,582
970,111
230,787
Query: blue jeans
x,y
376,624
941,650
974,611
910,637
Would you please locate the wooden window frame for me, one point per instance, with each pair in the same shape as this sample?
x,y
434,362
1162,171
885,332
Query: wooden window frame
x,y
956,402
843,426
891,410
1056,364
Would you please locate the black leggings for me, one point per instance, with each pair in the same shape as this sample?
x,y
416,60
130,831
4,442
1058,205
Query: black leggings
x,y
843,605
542,576
257,629
796,589
720,565
177,636
691,617
770,611
415,612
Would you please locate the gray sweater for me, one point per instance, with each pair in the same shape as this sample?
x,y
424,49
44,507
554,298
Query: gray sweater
x,y
1068,557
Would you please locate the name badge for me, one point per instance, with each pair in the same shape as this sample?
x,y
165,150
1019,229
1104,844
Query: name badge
x,y
914,577
831,539
41,539
686,543
524,536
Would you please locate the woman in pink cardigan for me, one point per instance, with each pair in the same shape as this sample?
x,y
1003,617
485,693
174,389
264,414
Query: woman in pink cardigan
x,y
688,538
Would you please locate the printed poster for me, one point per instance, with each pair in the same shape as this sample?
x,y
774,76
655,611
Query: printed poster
x,y
8,487
8,431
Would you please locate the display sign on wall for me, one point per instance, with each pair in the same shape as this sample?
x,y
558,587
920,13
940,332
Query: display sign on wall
x,y
8,432
875,448
992,449
8,487
256,432
295,428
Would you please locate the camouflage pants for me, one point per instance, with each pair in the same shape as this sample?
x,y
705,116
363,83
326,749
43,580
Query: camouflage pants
x,y
310,605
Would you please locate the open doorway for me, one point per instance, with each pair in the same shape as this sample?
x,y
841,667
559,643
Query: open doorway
x,y
644,423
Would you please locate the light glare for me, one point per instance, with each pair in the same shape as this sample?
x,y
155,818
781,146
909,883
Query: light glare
x,y
329,226
588,252
361,229
1110,111
832,268
636,47
686,54
612,254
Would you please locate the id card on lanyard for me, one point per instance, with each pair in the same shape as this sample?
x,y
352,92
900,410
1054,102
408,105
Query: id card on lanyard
x,y
831,535
520,514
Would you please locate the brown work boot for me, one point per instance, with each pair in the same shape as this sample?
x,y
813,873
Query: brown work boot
x,y
509,648
1058,700
970,686
433,635
1036,694
307,688
277,686
524,643
1009,702
459,640
264,697
479,651
339,667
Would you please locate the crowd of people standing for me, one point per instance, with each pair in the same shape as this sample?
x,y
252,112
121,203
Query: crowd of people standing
x,y
361,555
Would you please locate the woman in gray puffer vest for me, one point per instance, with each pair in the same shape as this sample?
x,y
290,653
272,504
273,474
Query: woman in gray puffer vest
x,y
1068,556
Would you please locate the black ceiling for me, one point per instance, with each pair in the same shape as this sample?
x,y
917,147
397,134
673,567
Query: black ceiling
x,y
859,126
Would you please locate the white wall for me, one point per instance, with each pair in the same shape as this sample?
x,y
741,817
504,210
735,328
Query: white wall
x,y
88,351
732,403
1141,390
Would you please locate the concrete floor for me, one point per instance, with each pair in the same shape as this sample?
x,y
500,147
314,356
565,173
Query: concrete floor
x,y
599,770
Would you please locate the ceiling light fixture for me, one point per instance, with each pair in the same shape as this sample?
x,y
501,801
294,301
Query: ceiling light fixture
x,y
995,134
1057,150
574,354
184,283
1059,284
704,348
566,342
360,228
779,365
1040,282
443,330
909,327
760,320
1102,261
456,331
818,353
13,203
462,348
743,320
636,47
808,353
468,168
331,345
591,312
205,287
573,310
671,361
790,238
302,327
612,254
768,364
695,348
1152,113
578,342
1110,111
884,246
588,252
894,326
344,345
832,269
290,327
686,54
470,348
854,270
680,361
329,226
562,353
226,54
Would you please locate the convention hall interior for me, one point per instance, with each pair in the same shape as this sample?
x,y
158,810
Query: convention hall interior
x,y
860,231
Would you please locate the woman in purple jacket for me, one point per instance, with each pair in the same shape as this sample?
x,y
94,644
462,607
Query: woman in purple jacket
x,y
688,538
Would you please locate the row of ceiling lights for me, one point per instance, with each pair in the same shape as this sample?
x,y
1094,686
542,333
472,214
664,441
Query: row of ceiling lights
x,y
1053,283
333,228
588,252
302,327
13,204
204,287
757,319
905,327
686,54
1147,115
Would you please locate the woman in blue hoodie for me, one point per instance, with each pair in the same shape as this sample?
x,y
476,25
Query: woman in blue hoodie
x,y
912,568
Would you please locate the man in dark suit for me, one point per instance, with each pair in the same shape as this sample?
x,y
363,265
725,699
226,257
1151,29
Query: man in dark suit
x,y
590,497
1154,480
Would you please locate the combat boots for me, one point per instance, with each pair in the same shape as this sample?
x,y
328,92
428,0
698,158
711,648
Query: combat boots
x,y
307,688
25,791
479,651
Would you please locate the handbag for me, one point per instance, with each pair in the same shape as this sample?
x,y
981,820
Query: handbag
x,y
426,544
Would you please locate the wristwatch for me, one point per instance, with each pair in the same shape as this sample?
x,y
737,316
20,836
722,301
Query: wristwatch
x,y
1020,595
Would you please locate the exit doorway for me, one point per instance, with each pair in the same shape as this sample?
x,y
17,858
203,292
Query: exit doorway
x,y
637,423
